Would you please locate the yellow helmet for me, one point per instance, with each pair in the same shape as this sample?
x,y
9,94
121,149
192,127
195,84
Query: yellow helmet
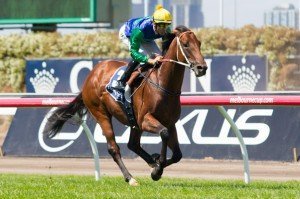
x,y
161,15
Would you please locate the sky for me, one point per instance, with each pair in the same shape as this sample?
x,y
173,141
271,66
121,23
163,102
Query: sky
x,y
247,12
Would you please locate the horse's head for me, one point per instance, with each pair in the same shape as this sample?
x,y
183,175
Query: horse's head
x,y
188,51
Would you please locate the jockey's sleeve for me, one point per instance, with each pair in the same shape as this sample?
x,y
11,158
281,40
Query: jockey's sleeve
x,y
136,39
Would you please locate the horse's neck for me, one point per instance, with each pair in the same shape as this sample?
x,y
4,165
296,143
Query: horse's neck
x,y
170,75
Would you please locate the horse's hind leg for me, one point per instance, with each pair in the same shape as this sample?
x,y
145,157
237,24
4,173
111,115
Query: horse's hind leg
x,y
134,145
112,147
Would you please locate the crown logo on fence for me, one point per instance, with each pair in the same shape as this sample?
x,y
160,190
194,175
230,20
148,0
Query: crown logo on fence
x,y
243,79
44,81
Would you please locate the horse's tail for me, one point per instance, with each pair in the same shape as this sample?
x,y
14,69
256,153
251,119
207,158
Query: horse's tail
x,y
62,114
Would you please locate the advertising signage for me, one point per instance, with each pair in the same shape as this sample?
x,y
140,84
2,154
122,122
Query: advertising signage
x,y
54,11
225,73
270,133
64,11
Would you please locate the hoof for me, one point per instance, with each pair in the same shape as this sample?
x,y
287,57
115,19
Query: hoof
x,y
156,173
133,182
155,177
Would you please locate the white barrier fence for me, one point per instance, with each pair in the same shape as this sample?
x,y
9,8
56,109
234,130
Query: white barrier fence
x,y
213,100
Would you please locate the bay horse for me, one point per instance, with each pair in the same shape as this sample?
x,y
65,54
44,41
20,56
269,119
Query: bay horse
x,y
156,102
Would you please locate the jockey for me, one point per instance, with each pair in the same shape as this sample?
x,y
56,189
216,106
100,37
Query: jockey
x,y
139,35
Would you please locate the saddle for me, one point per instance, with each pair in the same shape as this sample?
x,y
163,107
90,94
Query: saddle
x,y
123,97
137,74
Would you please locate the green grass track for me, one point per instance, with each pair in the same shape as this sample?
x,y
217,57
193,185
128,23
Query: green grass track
x,y
45,186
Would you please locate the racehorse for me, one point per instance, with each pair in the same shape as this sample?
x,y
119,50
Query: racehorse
x,y
155,101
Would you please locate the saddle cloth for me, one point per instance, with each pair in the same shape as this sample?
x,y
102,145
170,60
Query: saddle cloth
x,y
118,96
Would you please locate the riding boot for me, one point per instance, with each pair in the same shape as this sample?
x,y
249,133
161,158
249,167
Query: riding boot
x,y
120,84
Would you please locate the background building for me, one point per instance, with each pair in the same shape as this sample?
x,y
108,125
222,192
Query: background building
x,y
284,15
184,12
226,13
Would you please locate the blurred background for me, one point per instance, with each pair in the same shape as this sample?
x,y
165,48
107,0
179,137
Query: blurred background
x,y
49,47
86,28
191,13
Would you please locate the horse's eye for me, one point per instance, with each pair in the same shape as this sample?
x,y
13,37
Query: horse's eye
x,y
186,45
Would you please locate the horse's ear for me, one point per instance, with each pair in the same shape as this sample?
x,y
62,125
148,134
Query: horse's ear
x,y
176,32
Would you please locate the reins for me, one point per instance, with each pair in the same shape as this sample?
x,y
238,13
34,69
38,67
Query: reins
x,y
158,86
146,78
187,64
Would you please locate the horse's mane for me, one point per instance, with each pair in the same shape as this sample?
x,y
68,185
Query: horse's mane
x,y
168,38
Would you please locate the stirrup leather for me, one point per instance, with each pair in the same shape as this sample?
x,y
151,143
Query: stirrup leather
x,y
127,93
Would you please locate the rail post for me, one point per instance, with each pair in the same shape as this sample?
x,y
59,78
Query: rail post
x,y
238,134
93,146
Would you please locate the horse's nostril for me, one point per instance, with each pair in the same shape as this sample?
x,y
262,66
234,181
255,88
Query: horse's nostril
x,y
201,67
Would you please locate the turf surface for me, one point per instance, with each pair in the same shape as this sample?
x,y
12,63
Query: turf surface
x,y
45,186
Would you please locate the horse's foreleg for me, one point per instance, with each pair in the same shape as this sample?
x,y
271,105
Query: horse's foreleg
x,y
173,144
134,145
152,125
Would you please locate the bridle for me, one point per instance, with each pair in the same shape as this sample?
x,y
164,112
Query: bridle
x,y
188,64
